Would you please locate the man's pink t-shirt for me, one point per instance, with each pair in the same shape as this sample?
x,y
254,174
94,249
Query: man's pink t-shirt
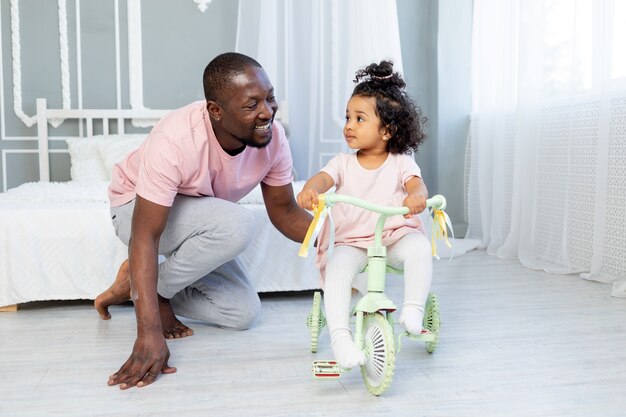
x,y
182,156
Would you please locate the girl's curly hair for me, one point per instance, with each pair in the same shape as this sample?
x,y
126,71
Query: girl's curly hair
x,y
396,110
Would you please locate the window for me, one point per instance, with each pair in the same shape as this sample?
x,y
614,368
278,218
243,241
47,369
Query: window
x,y
584,43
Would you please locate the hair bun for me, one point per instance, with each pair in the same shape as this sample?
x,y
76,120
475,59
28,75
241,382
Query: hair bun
x,y
381,71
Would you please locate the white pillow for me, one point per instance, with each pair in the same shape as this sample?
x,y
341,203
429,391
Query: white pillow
x,y
114,148
86,163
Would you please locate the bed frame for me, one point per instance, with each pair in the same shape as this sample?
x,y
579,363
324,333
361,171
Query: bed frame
x,y
107,117
109,120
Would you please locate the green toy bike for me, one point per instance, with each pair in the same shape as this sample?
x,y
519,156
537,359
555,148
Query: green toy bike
x,y
374,326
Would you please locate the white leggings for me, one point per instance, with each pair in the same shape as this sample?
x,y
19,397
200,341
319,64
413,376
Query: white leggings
x,y
411,253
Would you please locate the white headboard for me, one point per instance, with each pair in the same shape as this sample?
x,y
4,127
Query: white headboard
x,y
145,117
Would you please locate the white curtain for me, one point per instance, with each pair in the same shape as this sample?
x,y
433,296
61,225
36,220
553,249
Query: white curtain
x,y
311,50
546,159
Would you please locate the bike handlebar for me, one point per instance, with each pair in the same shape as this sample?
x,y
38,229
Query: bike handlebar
x,y
437,202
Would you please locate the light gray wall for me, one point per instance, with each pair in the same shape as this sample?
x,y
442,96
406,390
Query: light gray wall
x,y
436,45
179,40
181,43
418,36
454,103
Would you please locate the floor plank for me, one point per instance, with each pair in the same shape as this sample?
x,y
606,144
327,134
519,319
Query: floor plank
x,y
514,342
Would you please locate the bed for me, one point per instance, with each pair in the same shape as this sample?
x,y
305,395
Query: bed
x,y
56,238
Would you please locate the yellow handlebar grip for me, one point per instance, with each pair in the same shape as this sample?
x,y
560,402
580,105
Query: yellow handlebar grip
x,y
317,212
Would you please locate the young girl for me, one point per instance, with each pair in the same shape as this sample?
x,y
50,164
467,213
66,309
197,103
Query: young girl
x,y
383,125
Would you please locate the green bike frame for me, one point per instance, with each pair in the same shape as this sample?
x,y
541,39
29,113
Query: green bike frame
x,y
375,299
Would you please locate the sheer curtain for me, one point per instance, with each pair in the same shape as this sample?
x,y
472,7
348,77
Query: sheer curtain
x,y
311,50
546,159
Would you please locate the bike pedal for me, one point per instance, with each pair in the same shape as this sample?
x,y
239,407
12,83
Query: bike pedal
x,y
326,370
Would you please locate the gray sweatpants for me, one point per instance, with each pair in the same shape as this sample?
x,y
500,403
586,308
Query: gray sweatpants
x,y
202,276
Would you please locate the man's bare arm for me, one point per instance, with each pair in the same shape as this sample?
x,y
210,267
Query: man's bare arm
x,y
285,214
150,352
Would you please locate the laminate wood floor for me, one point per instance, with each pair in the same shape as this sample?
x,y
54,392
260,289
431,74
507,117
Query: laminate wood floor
x,y
514,342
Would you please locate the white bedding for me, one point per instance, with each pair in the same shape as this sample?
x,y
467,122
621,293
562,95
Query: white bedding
x,y
57,243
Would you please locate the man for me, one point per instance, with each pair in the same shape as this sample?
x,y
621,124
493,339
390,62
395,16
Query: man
x,y
176,196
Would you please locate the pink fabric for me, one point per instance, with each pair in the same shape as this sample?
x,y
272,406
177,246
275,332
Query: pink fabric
x,y
182,156
383,186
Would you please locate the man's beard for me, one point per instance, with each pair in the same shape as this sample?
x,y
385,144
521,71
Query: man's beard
x,y
253,144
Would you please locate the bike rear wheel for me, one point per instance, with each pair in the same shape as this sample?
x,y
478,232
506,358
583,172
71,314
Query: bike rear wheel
x,y
316,320
432,321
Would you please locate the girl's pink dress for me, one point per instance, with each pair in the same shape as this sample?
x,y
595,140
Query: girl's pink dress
x,y
383,186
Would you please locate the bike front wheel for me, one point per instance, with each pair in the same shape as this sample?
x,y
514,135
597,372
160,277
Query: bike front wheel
x,y
380,353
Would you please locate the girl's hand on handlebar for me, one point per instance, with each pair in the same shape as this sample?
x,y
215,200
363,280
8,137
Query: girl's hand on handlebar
x,y
415,204
308,199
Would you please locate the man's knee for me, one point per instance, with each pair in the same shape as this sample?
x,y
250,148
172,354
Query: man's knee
x,y
243,232
229,237
244,317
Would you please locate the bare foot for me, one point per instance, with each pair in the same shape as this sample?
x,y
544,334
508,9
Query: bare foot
x,y
171,326
117,293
